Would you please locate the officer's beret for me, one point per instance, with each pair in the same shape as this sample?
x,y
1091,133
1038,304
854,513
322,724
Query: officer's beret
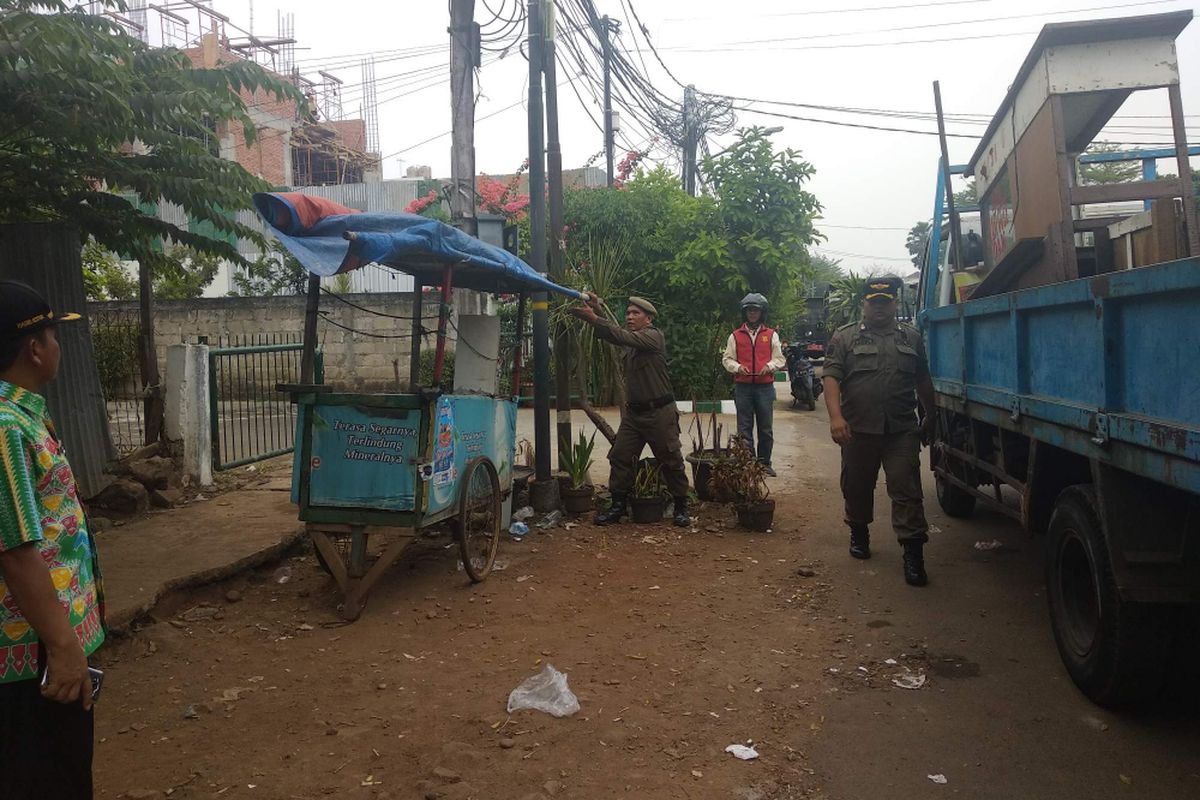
x,y
644,305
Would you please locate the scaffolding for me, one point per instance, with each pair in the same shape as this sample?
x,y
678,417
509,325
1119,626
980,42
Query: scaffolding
x,y
370,104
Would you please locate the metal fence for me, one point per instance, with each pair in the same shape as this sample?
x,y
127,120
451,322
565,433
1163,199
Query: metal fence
x,y
115,343
251,421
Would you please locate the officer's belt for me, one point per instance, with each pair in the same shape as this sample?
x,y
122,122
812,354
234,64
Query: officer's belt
x,y
651,405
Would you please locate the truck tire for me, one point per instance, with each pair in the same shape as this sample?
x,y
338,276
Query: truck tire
x,y
955,501
1116,651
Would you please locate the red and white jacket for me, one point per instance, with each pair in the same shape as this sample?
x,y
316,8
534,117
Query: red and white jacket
x,y
755,350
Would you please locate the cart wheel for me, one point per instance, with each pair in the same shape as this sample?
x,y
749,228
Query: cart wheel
x,y
479,518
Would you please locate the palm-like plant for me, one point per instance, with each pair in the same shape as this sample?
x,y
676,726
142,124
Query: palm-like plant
x,y
844,304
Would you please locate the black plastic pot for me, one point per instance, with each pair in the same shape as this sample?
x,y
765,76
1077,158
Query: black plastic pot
x,y
756,516
647,510
701,473
578,501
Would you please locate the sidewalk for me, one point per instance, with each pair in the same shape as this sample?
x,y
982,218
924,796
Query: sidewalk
x,y
196,544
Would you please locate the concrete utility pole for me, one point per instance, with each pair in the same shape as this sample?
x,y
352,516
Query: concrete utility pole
x,y
606,30
464,58
554,174
689,140
537,246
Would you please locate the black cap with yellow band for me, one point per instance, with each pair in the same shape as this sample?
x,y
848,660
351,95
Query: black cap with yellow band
x,y
23,311
883,287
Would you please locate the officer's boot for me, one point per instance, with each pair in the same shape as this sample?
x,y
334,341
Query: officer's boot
x,y
914,564
860,541
614,512
682,520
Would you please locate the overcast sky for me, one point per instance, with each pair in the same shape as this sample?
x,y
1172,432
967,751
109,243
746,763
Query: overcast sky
x,y
870,54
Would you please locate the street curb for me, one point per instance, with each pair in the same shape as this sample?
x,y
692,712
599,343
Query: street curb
x,y
118,623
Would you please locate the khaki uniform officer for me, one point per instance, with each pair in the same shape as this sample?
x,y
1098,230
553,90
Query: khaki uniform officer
x,y
873,372
651,417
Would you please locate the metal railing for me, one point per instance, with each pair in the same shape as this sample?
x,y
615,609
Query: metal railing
x,y
251,421
115,345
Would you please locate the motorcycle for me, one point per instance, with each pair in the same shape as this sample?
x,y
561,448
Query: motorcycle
x,y
806,387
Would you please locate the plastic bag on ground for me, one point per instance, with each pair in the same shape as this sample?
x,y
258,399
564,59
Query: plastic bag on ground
x,y
547,691
523,514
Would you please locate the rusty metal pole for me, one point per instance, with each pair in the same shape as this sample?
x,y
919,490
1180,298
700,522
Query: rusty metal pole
x,y
1185,169
562,336
955,252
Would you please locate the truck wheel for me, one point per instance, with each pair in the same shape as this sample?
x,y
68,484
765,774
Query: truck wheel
x,y
956,502
1115,651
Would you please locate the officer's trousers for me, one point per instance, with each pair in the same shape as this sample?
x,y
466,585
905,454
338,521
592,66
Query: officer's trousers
x,y
900,456
659,429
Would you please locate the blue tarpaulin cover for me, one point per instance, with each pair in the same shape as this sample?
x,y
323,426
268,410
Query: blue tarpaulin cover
x,y
314,230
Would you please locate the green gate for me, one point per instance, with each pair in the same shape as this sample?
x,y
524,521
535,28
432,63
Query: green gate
x,y
251,421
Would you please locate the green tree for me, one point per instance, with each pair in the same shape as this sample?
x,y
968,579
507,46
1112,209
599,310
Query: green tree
x,y
104,277
92,115
967,196
767,212
274,272
1109,171
695,257
822,270
185,273
917,241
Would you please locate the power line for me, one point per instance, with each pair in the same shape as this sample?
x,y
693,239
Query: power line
x,y
811,36
861,125
828,11
860,255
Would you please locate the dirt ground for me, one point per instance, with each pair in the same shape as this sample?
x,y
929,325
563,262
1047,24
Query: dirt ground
x,y
677,643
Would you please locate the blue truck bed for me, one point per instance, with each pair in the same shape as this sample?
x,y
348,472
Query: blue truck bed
x,y
1106,367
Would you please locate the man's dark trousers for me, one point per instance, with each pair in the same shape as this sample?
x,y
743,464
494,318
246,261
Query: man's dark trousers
x,y
45,747
755,404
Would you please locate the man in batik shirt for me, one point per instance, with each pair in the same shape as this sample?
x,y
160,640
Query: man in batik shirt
x,y
51,616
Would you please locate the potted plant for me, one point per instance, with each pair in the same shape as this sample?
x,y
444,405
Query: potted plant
x,y
705,454
649,500
744,478
575,460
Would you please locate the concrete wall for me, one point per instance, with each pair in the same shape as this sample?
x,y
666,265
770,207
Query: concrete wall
x,y
352,360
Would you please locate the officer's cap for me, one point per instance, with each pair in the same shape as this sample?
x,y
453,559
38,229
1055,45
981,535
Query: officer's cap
x,y
883,287
644,305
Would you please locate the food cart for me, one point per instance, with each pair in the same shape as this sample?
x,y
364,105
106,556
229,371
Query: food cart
x,y
395,465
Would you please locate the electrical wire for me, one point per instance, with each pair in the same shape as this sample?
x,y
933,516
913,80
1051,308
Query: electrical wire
x,y
827,11
364,309
325,317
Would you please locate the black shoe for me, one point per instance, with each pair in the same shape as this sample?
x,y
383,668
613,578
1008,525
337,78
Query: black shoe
x,y
914,564
614,512
770,472
860,541
682,520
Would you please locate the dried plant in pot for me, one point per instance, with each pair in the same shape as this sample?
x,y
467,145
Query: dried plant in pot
x,y
744,477
649,500
706,453
578,493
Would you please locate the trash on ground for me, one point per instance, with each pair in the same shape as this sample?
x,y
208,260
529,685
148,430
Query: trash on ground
x,y
518,530
891,662
994,544
551,520
522,514
909,680
742,751
547,692
938,779
283,574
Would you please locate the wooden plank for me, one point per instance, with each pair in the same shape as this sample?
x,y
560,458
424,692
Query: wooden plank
x,y
1122,192
1023,255
1099,223
1185,169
